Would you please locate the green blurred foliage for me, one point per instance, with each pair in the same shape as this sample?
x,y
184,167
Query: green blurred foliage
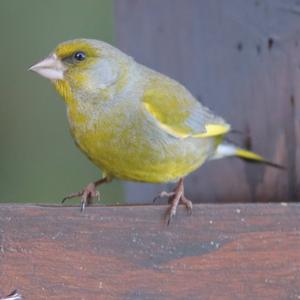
x,y
38,159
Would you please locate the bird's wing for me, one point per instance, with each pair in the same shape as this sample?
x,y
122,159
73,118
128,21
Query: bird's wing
x,y
177,112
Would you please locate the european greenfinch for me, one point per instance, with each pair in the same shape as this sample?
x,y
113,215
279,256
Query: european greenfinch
x,y
132,122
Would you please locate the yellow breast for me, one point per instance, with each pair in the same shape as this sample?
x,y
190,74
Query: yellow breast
x,y
126,146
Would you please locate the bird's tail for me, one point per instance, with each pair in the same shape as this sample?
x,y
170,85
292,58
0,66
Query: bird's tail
x,y
227,150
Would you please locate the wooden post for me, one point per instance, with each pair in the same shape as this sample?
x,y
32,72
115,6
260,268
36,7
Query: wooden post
x,y
221,252
241,58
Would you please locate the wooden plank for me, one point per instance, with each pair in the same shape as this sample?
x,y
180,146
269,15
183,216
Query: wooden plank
x,y
220,252
242,59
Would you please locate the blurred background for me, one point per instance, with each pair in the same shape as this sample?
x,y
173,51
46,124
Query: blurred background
x,y
241,58
39,161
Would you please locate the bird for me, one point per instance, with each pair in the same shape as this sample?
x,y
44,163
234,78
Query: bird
x,y
134,123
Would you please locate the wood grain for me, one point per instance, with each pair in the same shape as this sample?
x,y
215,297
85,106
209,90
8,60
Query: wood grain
x,y
241,58
241,251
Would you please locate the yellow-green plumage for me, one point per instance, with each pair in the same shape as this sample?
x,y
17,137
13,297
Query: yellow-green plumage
x,y
144,129
132,122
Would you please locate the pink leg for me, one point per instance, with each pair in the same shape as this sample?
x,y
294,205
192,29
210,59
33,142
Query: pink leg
x,y
175,198
88,193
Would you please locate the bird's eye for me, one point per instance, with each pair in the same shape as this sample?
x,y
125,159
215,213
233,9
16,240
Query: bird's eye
x,y
79,56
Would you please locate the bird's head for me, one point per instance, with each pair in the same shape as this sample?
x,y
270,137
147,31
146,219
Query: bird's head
x,y
83,67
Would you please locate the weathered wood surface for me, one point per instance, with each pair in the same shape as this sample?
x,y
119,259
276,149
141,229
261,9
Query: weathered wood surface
x,y
241,58
220,252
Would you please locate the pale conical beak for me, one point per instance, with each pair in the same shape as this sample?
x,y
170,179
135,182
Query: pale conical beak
x,y
51,68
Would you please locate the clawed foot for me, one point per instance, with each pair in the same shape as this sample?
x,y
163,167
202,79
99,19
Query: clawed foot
x,y
175,198
164,194
87,195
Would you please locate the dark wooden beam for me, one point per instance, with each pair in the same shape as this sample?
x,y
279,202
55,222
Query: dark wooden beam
x,y
241,59
220,252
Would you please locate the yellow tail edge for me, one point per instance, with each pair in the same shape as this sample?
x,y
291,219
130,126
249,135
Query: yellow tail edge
x,y
255,158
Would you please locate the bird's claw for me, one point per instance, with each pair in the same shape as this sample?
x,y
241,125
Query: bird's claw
x,y
83,201
87,194
170,214
97,196
71,196
176,197
188,204
163,194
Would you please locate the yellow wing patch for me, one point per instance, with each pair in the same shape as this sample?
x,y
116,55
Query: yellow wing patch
x,y
213,130
178,113
180,132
